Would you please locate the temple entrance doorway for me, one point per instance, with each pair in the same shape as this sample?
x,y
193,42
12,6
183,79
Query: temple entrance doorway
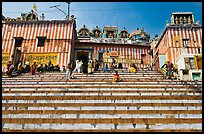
x,y
82,55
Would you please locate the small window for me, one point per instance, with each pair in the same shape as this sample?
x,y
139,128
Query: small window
x,y
185,42
190,63
199,50
18,41
100,56
40,41
176,43
185,72
196,76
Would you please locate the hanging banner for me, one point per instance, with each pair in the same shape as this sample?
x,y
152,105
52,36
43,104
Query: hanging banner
x,y
5,59
42,58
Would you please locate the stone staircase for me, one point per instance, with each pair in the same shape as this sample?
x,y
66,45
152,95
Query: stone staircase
x,y
141,102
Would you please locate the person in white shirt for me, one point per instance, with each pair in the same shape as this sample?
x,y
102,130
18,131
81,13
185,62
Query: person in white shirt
x,y
78,66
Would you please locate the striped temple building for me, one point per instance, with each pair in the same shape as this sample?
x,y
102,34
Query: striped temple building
x,y
181,36
37,40
27,38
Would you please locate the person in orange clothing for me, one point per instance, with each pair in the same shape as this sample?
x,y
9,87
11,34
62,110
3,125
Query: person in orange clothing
x,y
116,77
32,70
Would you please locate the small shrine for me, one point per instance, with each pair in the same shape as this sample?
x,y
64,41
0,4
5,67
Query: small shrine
x,y
110,31
96,32
83,32
180,18
123,33
139,36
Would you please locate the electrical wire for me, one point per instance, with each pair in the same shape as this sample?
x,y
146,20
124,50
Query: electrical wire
x,y
87,10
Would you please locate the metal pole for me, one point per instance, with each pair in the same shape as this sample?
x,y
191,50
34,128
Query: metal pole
x,y
68,10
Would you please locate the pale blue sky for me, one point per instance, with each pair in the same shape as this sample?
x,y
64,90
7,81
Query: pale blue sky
x,y
132,15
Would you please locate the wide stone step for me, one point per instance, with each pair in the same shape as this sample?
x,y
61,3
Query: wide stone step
x,y
101,94
101,116
101,121
84,77
100,91
87,81
102,97
106,111
32,88
159,128
60,86
169,101
96,83
87,75
27,81
98,104
104,108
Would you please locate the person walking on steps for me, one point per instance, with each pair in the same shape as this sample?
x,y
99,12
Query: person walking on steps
x,y
68,71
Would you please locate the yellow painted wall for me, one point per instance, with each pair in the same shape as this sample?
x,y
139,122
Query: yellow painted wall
x,y
42,58
5,59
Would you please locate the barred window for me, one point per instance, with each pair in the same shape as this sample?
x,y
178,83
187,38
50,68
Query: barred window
x,y
41,41
18,41
186,42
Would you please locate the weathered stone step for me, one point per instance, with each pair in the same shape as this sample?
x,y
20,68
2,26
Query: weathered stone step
x,y
169,101
51,79
96,86
151,89
84,77
105,108
101,94
90,76
101,116
102,121
102,97
98,104
123,129
112,84
99,91
101,111
87,81
26,81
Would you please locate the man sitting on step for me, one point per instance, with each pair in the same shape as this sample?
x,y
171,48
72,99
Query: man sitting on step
x,y
132,68
169,69
116,77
